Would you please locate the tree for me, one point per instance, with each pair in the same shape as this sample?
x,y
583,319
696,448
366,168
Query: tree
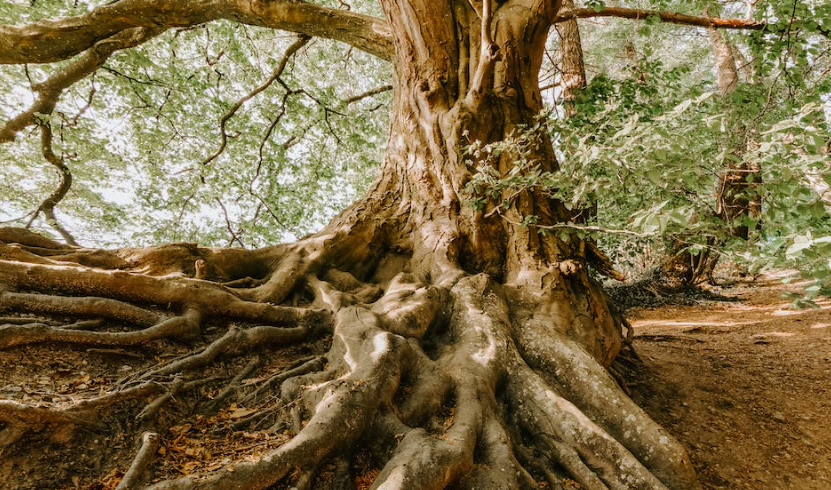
x,y
658,149
464,346
736,201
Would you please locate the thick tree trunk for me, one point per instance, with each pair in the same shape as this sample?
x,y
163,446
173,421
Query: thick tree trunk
x,y
467,350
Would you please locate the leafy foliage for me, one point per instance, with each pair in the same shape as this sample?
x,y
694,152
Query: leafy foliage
x,y
647,145
649,142
296,153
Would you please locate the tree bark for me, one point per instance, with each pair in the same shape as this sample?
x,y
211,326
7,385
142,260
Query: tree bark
x,y
736,198
571,59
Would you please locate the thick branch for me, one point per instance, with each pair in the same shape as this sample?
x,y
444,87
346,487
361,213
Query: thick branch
x,y
364,95
489,53
668,17
51,89
53,40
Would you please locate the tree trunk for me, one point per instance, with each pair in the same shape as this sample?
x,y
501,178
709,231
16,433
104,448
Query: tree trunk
x,y
571,59
466,351
736,197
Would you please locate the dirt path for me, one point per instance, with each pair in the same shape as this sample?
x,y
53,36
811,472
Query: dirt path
x,y
745,385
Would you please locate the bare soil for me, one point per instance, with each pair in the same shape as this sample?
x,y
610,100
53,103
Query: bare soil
x,y
745,385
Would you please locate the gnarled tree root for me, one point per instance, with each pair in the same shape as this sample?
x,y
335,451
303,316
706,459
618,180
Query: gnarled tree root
x,y
209,298
21,418
468,438
445,380
93,307
235,340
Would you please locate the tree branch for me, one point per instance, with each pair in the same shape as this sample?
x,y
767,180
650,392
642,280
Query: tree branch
x,y
364,95
278,71
47,41
482,80
668,17
47,207
234,236
51,89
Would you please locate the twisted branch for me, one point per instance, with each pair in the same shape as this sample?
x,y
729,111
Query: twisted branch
x,y
47,41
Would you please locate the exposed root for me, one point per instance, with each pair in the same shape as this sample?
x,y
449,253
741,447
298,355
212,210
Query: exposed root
x,y
24,236
570,460
26,320
71,257
211,299
185,326
11,434
154,406
234,385
116,352
407,309
138,468
497,465
234,341
312,365
82,307
581,379
421,459
619,378
305,480
429,387
21,418
565,432
85,325
299,263
30,416
345,408
343,479
262,415
539,464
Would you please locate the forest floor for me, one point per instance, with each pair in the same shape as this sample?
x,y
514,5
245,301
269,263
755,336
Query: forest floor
x,y
744,384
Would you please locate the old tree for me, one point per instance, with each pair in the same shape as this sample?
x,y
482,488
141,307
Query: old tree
x,y
414,342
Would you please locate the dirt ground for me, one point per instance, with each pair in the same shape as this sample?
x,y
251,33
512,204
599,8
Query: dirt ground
x,y
745,385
